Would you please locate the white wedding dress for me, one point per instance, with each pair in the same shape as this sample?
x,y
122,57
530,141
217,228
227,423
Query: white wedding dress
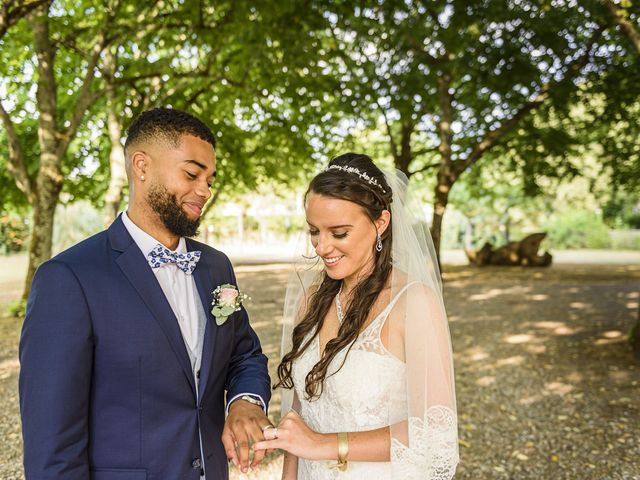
x,y
367,393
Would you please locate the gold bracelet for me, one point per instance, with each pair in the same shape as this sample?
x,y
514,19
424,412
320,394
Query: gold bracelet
x,y
343,451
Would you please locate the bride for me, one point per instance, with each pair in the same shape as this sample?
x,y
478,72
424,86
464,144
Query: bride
x,y
367,373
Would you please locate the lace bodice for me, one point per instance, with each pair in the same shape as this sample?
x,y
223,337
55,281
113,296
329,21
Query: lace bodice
x,y
367,393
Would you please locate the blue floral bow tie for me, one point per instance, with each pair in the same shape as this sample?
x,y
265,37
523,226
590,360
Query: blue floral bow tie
x,y
161,255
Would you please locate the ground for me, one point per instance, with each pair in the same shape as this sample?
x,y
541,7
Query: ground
x,y
547,387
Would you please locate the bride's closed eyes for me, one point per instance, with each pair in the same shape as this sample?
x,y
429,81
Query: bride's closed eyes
x,y
314,232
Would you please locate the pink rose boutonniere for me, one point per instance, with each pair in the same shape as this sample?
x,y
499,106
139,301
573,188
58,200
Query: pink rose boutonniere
x,y
226,300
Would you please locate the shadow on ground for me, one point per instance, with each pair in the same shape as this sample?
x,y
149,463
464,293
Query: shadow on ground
x,y
547,386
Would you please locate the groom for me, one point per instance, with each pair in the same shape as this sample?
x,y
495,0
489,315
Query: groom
x,y
125,372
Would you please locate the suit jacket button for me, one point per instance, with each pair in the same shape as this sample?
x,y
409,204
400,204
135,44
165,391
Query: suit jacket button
x,y
196,463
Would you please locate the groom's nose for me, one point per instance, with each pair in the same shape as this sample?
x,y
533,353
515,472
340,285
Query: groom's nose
x,y
203,190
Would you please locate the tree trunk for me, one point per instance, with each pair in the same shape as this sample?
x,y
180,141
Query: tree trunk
x,y
118,179
44,211
443,187
445,178
450,171
49,181
635,337
405,156
53,141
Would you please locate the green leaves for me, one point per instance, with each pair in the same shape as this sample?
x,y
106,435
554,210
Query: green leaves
x,y
287,85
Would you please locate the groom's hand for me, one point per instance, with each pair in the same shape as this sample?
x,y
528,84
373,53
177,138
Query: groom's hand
x,y
244,426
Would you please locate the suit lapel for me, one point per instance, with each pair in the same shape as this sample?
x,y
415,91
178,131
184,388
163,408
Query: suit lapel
x,y
135,267
203,276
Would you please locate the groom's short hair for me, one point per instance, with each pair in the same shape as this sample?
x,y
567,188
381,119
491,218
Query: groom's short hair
x,y
166,125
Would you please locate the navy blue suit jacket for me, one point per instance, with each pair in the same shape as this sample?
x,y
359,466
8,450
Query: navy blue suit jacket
x,y
106,389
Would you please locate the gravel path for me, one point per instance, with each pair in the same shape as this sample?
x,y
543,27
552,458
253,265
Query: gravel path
x,y
547,386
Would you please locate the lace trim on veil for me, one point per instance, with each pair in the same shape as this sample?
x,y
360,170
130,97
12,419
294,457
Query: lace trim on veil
x,y
432,453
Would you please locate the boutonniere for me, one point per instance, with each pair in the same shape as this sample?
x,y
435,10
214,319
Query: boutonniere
x,y
226,300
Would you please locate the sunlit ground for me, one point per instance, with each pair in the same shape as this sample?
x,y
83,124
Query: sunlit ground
x,y
546,383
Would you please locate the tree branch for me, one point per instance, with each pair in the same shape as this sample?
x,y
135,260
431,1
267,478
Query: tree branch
x,y
155,75
46,93
85,96
628,28
493,137
424,151
392,141
13,11
426,168
84,101
16,165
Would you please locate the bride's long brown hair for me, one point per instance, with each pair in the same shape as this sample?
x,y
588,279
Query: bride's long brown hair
x,y
342,185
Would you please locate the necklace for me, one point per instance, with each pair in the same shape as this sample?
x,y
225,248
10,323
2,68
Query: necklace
x,y
339,312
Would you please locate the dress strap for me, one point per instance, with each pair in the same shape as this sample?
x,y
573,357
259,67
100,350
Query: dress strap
x,y
376,325
395,299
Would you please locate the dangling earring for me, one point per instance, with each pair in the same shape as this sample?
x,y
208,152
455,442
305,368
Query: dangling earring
x,y
378,243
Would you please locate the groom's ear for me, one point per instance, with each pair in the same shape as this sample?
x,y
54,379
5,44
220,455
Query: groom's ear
x,y
139,164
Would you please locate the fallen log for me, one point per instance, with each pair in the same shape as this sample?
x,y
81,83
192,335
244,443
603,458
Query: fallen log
x,y
522,253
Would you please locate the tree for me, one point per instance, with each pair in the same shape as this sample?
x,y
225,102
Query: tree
x,y
234,65
456,81
65,89
226,62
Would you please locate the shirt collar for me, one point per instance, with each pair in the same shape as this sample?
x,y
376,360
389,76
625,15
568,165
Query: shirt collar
x,y
146,242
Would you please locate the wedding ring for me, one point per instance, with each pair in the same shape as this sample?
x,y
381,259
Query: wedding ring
x,y
270,428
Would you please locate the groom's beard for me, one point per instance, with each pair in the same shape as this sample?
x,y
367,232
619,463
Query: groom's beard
x,y
171,214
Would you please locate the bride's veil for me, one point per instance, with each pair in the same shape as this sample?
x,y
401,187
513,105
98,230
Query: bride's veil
x,y
423,420
424,445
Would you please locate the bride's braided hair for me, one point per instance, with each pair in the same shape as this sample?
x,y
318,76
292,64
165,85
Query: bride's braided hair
x,y
373,197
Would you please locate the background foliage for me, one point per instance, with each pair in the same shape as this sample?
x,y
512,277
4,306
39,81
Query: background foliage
x,y
517,116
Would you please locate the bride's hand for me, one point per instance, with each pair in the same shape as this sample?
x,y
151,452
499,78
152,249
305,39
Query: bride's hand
x,y
294,436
